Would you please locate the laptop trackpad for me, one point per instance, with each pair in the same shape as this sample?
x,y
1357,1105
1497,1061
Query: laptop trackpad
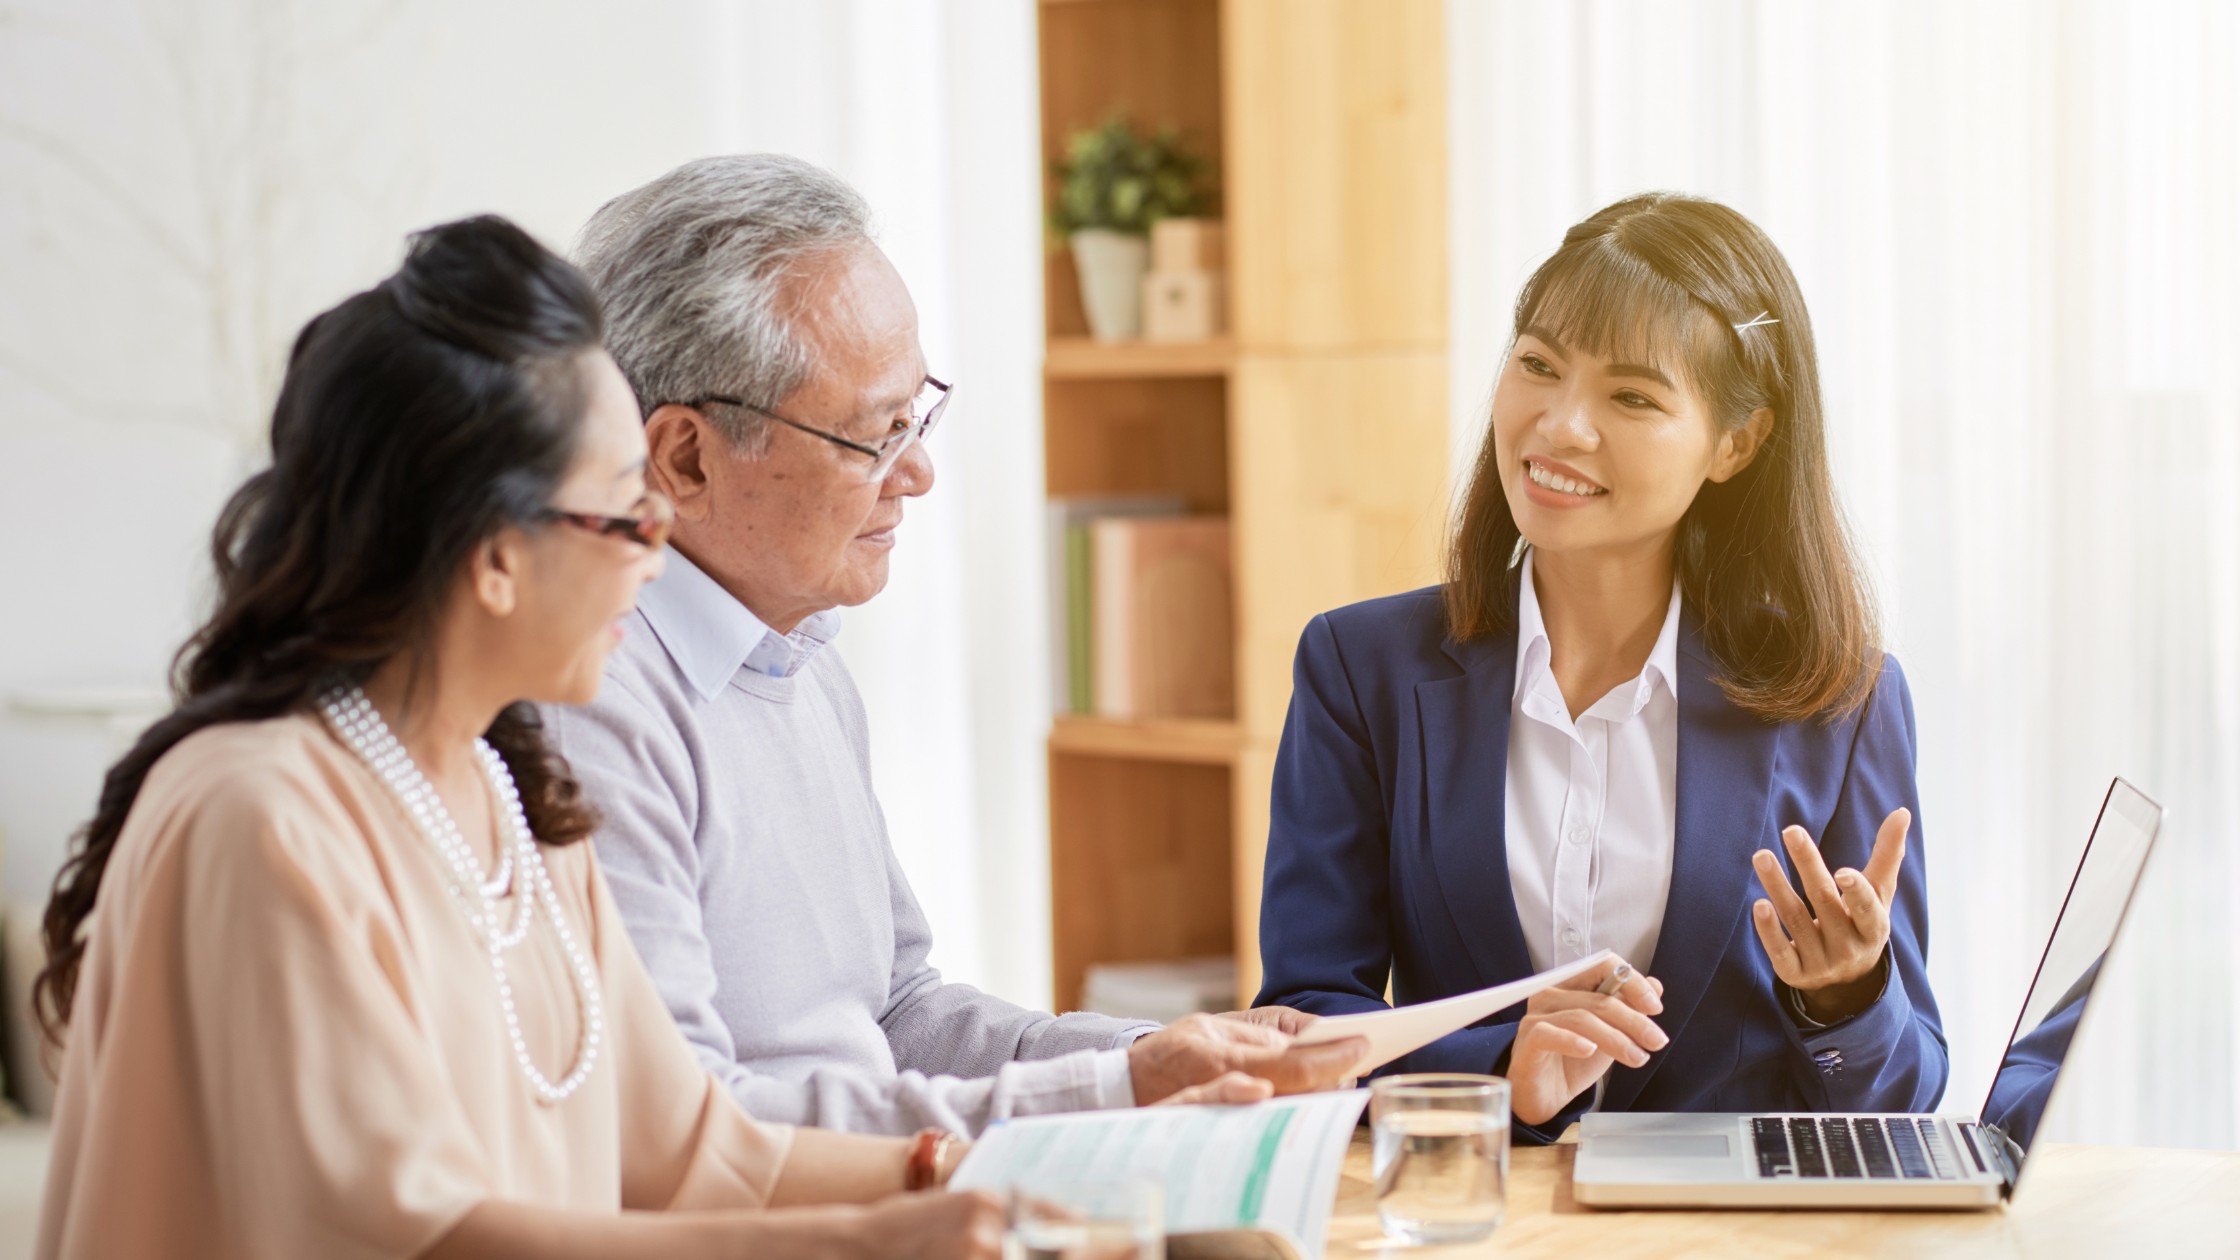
x,y
1661,1145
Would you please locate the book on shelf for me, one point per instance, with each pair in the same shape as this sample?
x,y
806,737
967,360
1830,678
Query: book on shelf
x,y
1162,620
1071,603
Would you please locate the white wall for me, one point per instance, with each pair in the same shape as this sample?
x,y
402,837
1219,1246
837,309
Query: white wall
x,y
2018,228
183,182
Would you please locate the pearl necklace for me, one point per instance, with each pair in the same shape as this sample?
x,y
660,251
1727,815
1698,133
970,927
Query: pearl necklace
x,y
359,723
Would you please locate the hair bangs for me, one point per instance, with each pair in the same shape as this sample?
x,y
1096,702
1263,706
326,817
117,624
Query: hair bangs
x,y
1598,297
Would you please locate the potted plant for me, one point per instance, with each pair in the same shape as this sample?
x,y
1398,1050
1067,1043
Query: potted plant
x,y
1112,186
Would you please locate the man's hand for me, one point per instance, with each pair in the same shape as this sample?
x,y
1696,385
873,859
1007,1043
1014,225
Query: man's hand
x,y
1832,952
1289,1020
1230,1089
1197,1049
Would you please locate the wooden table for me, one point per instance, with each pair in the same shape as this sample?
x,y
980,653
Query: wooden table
x,y
2080,1201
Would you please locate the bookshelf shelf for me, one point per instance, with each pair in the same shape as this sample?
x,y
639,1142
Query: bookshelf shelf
x,y
1325,123
1081,359
1205,743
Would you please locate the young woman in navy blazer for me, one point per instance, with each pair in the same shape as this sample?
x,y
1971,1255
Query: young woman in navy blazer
x,y
1699,694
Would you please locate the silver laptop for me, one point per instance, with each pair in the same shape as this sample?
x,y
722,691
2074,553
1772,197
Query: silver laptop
x,y
1679,1159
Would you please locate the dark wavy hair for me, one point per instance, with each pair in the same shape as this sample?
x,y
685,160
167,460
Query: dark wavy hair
x,y
416,419
1764,558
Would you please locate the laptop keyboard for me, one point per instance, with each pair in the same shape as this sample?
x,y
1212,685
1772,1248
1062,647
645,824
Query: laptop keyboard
x,y
1853,1147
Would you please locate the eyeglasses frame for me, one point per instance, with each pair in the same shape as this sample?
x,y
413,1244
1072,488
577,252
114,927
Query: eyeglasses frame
x,y
649,530
881,461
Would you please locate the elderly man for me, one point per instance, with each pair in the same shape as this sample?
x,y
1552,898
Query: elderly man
x,y
774,351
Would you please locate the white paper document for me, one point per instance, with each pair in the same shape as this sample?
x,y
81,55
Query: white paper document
x,y
1270,1166
1395,1032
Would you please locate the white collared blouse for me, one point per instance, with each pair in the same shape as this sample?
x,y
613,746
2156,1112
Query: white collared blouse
x,y
1589,805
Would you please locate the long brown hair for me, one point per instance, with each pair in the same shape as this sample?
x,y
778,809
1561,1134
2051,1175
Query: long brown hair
x,y
1764,559
416,420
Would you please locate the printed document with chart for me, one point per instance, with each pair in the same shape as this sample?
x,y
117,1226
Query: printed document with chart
x,y
1269,1167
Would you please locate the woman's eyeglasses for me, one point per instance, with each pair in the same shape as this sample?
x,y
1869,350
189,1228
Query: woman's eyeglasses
x,y
883,455
648,527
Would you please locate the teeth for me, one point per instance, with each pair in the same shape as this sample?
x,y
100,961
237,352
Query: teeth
x,y
1563,485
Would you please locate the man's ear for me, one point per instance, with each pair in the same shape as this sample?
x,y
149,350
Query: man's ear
x,y
1737,447
679,443
494,571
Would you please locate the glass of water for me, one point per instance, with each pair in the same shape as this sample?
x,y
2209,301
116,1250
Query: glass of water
x,y
1087,1220
1442,1155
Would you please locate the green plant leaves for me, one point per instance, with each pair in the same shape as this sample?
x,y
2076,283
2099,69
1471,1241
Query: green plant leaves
x,y
1113,177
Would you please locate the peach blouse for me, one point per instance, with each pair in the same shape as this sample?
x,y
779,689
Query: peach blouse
x,y
287,1039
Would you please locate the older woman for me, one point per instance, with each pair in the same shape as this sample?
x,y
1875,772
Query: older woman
x,y
356,987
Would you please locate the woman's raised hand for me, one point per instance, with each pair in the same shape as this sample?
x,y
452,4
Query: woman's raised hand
x,y
1570,1035
1830,949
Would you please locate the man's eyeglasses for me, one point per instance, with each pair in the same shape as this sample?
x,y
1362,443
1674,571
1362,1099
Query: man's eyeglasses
x,y
912,429
648,527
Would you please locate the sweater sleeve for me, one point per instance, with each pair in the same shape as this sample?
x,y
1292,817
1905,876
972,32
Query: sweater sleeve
x,y
640,772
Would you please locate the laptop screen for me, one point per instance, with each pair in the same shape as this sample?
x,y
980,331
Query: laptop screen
x,y
2114,856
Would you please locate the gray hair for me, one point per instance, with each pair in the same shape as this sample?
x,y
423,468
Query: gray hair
x,y
693,270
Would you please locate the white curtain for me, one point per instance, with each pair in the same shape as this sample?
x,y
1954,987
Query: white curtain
x,y
183,182
2017,224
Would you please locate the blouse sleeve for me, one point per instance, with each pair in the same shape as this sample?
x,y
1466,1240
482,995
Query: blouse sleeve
x,y
686,1144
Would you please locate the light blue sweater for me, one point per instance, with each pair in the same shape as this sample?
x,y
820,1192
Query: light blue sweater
x,y
750,859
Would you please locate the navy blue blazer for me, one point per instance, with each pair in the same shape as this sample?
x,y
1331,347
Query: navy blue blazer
x,y
1386,856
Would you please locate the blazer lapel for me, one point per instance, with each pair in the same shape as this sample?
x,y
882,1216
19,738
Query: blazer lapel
x,y
1464,726
1724,784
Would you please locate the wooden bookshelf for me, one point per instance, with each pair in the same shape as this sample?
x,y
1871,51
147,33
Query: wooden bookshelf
x,y
1207,743
1081,359
1318,425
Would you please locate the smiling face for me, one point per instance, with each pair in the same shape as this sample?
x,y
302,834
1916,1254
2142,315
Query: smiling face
x,y
1603,456
794,528
574,587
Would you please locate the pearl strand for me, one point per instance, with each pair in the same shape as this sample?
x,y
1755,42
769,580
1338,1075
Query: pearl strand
x,y
361,726
591,1019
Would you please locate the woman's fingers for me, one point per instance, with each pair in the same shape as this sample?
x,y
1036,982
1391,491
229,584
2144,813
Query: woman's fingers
x,y
1630,1020
1818,885
1870,917
1636,990
1615,1029
1637,993
1549,1037
1642,993
1546,1067
1889,854
1779,951
1794,914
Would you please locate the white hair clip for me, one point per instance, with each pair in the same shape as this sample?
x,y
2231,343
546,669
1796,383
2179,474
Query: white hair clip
x,y
1758,321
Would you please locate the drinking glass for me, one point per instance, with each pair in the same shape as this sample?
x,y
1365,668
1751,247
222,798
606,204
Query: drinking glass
x,y
1442,1155
1086,1220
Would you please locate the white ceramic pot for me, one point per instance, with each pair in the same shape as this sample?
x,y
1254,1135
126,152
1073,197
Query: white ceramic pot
x,y
1112,266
